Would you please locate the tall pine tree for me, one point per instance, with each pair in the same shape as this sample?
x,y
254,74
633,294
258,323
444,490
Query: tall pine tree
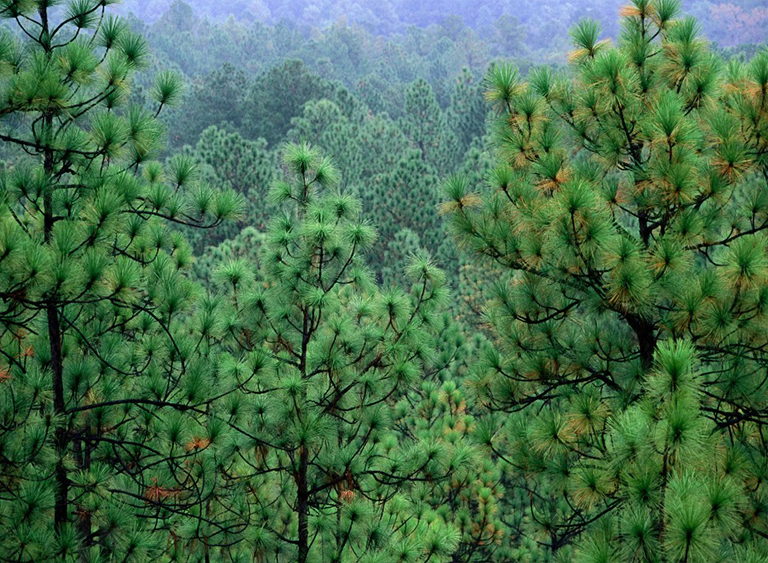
x,y
321,356
99,394
628,209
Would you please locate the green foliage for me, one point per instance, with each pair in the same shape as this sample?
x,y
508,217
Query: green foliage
x,y
626,211
424,124
362,144
243,246
407,196
398,253
101,391
250,372
670,463
439,409
245,167
320,356
279,95
215,99
467,112
395,180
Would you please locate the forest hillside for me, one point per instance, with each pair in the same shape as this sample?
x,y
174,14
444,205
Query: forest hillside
x,y
383,282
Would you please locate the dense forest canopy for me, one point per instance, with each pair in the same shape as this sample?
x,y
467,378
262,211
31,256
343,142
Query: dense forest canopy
x,y
383,282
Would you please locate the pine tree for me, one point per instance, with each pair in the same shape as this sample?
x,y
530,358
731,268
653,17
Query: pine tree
x,y
243,246
396,256
230,162
99,385
628,211
361,144
336,135
217,98
277,96
320,356
468,111
682,492
407,196
439,409
425,125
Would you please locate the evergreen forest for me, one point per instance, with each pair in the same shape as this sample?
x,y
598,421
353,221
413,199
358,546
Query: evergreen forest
x,y
344,281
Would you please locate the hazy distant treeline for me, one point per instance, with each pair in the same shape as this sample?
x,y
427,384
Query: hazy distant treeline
x,y
727,23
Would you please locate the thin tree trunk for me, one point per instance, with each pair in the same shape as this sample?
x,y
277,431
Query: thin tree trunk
x,y
56,363
303,505
61,503
61,440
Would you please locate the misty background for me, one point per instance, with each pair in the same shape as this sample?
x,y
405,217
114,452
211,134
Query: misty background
x,y
728,23
392,90
372,46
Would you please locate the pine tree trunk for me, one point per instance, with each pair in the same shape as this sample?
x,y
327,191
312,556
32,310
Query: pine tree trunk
x,y
56,365
60,513
303,505
57,385
81,448
62,481
646,338
302,485
339,542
